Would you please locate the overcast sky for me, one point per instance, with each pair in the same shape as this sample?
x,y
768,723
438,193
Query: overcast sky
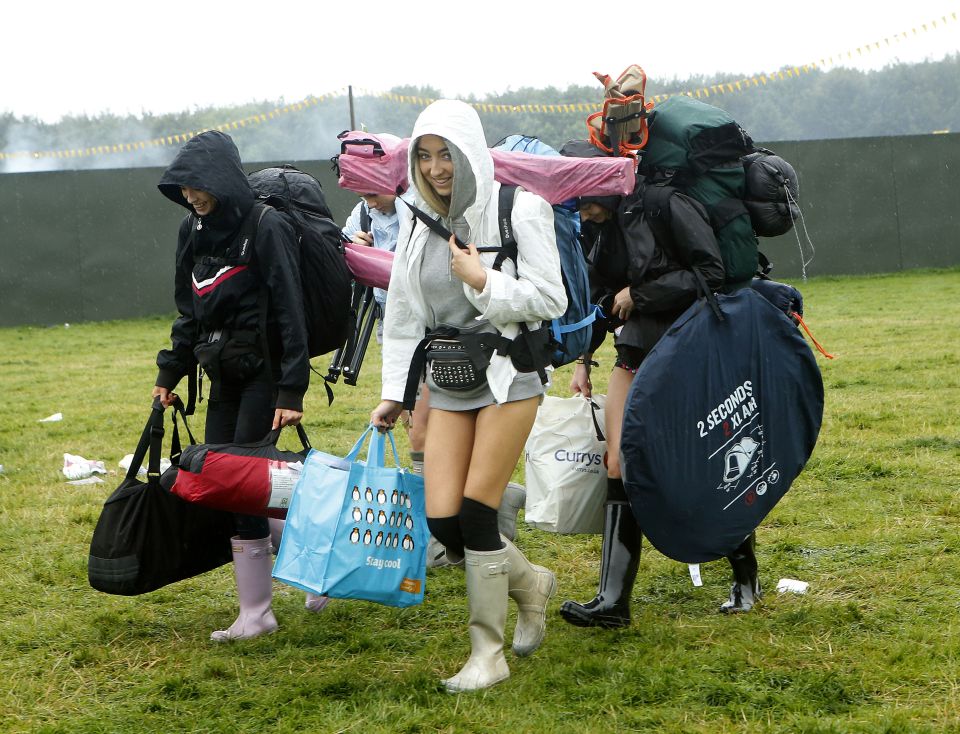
x,y
134,57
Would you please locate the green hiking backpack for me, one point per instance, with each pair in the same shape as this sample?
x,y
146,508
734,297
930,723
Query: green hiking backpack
x,y
697,148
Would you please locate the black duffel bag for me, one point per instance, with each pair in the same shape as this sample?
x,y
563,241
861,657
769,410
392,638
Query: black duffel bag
x,y
147,537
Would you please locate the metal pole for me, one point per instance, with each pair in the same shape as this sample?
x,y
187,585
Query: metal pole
x,y
353,125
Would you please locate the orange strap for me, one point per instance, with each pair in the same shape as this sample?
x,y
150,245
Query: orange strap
x,y
815,342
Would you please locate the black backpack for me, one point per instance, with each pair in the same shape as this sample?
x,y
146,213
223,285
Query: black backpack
x,y
324,277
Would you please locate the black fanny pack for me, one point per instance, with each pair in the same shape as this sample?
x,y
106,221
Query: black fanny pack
x,y
453,367
230,356
459,362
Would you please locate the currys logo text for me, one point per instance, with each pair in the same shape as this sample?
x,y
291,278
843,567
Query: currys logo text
x,y
578,457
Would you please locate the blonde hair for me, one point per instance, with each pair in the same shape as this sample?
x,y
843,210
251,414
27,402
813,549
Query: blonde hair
x,y
438,202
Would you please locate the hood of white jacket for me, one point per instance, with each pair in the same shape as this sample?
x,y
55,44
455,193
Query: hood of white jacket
x,y
458,123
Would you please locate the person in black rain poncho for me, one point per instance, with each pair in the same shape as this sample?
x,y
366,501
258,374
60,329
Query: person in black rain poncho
x,y
257,381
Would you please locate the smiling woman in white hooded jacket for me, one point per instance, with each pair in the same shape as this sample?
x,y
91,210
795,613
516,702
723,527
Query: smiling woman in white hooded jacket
x,y
475,433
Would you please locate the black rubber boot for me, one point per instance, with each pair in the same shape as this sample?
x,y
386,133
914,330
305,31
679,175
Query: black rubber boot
x,y
622,539
746,584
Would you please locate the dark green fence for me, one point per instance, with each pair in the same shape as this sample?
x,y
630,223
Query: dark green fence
x,y
97,245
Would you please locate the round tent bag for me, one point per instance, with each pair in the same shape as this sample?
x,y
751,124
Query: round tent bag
x,y
721,418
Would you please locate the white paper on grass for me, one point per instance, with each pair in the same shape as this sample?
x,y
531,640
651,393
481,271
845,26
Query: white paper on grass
x,y
792,586
89,480
51,418
695,574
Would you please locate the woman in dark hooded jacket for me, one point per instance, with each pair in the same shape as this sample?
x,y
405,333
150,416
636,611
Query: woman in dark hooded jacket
x,y
649,261
227,266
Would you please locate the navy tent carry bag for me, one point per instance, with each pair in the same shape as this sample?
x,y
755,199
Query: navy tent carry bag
x,y
721,418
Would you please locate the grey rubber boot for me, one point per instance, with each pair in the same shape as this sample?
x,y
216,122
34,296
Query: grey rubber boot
x,y
252,567
487,586
438,557
514,500
531,587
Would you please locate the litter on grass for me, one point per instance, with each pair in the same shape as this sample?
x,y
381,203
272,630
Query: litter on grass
x,y
88,480
142,471
51,418
792,586
76,467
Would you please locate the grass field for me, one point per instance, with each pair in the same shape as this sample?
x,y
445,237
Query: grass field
x,y
873,525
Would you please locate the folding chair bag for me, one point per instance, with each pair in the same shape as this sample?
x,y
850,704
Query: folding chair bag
x,y
250,479
355,529
566,474
147,537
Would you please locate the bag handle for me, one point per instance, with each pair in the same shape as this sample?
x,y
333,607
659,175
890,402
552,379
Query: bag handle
x,y
375,453
175,445
594,407
271,438
151,441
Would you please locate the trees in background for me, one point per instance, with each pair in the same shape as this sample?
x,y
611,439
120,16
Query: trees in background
x,y
903,99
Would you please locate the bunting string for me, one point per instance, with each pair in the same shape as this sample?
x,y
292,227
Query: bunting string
x,y
564,108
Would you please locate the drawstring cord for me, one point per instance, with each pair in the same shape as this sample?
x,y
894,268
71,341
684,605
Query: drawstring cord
x,y
799,319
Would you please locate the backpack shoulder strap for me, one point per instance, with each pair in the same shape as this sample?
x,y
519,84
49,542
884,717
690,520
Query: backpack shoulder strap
x,y
365,221
432,224
508,242
249,230
656,199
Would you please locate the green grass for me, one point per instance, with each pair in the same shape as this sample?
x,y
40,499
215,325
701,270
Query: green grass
x,y
872,525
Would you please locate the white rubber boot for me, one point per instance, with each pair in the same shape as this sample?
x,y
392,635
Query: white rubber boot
x,y
487,586
252,567
531,587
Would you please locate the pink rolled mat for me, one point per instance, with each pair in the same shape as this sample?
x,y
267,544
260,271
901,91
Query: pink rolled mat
x,y
377,164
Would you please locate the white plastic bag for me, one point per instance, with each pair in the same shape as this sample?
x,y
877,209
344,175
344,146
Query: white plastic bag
x,y
76,467
565,473
127,460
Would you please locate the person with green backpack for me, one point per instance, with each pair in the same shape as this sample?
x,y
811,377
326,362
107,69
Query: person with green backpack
x,y
645,273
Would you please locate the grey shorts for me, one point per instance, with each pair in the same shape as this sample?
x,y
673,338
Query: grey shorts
x,y
525,385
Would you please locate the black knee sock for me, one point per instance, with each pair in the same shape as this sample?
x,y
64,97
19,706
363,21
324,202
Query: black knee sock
x,y
447,531
743,561
478,526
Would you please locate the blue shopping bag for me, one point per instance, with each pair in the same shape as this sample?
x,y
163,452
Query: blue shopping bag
x,y
355,529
